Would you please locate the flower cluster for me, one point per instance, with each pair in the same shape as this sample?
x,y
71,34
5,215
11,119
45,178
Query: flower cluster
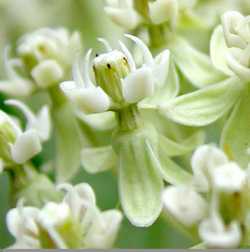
x,y
76,222
216,203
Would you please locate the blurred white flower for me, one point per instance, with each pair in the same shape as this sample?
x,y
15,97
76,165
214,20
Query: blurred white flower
x,y
46,55
184,204
215,234
19,146
118,81
76,222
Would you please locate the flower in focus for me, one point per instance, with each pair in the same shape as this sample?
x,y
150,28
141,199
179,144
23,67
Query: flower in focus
x,y
76,222
40,60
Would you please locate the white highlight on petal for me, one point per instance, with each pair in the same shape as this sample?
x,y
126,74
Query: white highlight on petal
x,y
204,160
27,145
146,52
138,85
185,204
229,178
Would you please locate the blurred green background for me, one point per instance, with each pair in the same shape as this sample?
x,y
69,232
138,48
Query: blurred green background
x,y
87,16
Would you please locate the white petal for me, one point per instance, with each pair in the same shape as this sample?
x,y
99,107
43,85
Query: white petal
x,y
219,50
185,204
138,85
230,21
161,68
43,123
27,145
148,58
126,18
204,160
16,87
53,214
128,55
47,73
215,237
21,221
163,10
229,178
104,230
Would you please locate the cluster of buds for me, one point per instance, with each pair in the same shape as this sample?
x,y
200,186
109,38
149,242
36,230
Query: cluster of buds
x,y
76,222
41,59
216,204
131,14
18,146
118,83
230,45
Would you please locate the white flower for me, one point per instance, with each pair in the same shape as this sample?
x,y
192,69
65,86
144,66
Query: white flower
x,y
229,178
230,45
205,160
28,143
184,204
45,55
76,222
123,13
215,234
118,81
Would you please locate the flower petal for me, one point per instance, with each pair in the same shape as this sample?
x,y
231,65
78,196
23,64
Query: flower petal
x,y
198,69
98,159
140,183
235,139
219,50
27,145
138,85
204,106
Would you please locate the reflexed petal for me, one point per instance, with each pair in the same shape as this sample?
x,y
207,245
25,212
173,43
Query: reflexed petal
x,y
27,145
198,69
219,51
16,87
140,183
204,106
173,148
98,159
160,71
138,85
235,139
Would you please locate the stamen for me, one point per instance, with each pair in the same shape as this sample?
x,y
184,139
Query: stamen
x,y
87,80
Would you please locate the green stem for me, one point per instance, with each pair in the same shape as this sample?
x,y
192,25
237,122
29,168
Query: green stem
x,y
141,7
129,118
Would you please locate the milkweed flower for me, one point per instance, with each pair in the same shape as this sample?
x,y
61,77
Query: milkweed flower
x,y
40,60
215,205
18,145
138,151
76,222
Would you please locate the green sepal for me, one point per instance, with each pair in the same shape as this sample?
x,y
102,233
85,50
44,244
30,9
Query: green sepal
x,y
69,140
173,148
195,66
98,159
204,106
235,139
140,182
